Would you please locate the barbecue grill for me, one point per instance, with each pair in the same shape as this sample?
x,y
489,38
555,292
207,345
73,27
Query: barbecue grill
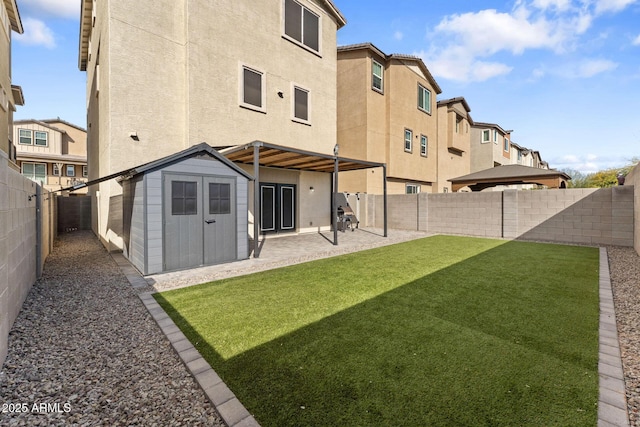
x,y
346,219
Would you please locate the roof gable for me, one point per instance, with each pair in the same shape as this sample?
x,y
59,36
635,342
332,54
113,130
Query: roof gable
x,y
14,16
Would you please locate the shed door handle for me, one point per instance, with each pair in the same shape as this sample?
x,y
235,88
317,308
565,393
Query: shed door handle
x,y
210,221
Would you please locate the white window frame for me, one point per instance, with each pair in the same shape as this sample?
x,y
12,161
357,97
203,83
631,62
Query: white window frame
x,y
67,170
301,43
55,171
412,189
294,88
505,147
426,105
374,76
35,177
20,137
424,147
85,171
487,133
263,98
495,136
408,133
45,139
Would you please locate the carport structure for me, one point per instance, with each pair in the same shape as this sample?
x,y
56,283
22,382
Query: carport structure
x,y
510,175
263,154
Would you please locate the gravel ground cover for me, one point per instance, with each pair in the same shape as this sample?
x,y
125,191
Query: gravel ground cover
x,y
85,351
624,264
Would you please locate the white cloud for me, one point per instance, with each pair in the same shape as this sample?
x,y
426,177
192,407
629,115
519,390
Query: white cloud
x,y
36,33
590,68
61,8
603,6
398,35
559,5
636,41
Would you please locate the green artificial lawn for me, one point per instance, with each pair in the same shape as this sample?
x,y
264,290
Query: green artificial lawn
x,y
441,331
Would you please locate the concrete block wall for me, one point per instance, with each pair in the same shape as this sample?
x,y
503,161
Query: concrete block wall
x,y
473,214
633,180
17,245
587,216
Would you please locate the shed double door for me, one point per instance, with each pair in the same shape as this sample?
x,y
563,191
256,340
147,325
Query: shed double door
x,y
199,220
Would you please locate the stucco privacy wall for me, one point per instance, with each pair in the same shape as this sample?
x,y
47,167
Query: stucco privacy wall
x,y
17,245
589,216
633,179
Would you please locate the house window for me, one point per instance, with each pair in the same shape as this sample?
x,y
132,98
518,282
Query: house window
x,y
486,135
219,198
412,189
41,138
71,170
424,99
506,144
85,171
35,172
377,76
458,121
56,170
184,199
24,137
252,94
519,155
408,137
301,25
300,104
495,136
423,145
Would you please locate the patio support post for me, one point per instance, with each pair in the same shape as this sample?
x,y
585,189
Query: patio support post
x,y
384,196
335,202
256,200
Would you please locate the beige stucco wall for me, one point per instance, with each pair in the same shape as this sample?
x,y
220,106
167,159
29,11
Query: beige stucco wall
x,y
5,83
485,154
169,71
454,147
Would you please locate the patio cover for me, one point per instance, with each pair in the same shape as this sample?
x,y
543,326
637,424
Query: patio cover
x,y
510,175
260,153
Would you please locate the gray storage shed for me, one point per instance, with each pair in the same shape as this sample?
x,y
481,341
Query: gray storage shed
x,y
185,210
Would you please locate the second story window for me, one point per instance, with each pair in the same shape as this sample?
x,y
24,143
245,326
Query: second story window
x,y
377,76
41,138
24,137
506,144
486,135
408,136
495,136
458,122
302,25
300,104
423,145
252,95
424,99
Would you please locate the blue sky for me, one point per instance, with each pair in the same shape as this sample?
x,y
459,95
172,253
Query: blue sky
x,y
564,75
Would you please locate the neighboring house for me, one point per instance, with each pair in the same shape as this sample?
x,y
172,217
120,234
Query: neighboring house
x,y
52,152
222,72
490,146
454,141
10,95
387,113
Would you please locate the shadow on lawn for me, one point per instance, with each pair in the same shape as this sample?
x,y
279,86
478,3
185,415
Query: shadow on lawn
x,y
486,341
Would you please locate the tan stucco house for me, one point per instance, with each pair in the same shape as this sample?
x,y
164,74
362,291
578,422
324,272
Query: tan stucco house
x,y
454,141
52,152
387,113
163,76
490,146
10,95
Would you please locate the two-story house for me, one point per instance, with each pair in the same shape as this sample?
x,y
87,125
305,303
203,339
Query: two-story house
x,y
454,141
387,113
52,152
490,146
10,95
166,75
